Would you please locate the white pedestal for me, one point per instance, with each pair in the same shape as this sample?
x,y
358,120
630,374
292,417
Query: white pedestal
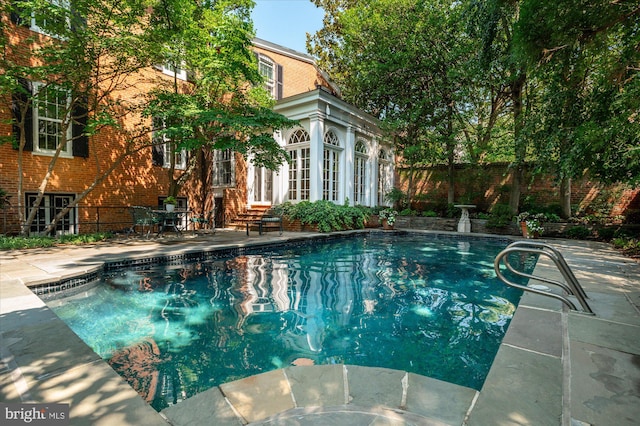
x,y
464,225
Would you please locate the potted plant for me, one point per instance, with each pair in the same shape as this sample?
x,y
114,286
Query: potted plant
x,y
170,203
388,217
531,224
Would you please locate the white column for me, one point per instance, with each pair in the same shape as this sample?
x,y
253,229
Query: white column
x,y
281,178
373,176
251,185
348,158
316,132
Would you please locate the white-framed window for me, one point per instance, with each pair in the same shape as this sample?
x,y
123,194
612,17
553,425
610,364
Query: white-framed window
x,y
330,166
298,148
262,185
268,72
49,207
359,172
51,113
172,70
57,15
384,179
272,74
224,168
167,147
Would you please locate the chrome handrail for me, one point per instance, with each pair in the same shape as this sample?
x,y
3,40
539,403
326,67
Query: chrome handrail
x,y
571,285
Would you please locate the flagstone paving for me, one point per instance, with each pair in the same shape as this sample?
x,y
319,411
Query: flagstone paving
x,y
554,367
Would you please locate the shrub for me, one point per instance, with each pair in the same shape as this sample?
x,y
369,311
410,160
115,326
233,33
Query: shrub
x,y
429,213
408,212
325,214
578,232
18,243
606,234
397,197
500,216
628,246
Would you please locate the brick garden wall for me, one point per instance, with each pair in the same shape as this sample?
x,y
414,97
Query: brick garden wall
x,y
487,185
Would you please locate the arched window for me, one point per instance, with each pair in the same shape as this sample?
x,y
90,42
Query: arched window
x,y
300,152
330,166
359,172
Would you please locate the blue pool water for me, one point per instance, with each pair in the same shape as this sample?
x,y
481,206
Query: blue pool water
x,y
426,305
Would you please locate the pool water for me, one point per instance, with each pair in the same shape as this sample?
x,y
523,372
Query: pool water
x,y
431,306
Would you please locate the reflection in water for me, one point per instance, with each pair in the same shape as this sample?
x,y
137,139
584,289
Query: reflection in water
x,y
433,307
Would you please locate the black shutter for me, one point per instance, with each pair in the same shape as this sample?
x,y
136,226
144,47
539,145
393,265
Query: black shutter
x,y
157,153
17,18
78,21
18,99
80,146
157,156
279,84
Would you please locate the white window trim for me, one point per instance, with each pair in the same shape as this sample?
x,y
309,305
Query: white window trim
x,y
67,151
298,146
64,4
181,73
330,186
216,172
272,83
166,152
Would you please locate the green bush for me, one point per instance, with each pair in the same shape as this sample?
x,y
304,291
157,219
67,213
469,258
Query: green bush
x,y
578,232
429,213
606,234
18,243
326,215
396,197
500,216
408,212
629,246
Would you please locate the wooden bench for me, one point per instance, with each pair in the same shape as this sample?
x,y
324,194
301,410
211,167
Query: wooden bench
x,y
266,222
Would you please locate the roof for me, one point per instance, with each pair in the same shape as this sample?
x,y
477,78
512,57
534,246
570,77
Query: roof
x,y
264,44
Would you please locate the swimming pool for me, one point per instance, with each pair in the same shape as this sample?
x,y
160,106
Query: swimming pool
x,y
412,302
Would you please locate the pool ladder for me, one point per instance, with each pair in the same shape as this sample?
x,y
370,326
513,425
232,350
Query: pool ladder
x,y
571,284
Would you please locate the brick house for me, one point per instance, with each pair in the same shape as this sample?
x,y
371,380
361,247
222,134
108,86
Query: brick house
x,y
337,153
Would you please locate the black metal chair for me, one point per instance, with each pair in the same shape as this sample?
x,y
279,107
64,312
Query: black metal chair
x,y
205,221
141,217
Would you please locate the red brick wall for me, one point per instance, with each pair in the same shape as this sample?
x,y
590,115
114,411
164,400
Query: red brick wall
x,y
135,181
488,185
298,76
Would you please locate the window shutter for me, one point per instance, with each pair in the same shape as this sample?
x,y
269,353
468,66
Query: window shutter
x,y
157,156
16,16
157,153
80,146
279,84
78,21
18,99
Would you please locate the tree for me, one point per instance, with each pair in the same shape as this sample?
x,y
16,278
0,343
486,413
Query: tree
x,y
585,56
225,106
415,86
108,44
493,23
104,44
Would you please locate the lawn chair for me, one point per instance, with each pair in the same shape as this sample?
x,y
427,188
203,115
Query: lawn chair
x,y
141,217
204,221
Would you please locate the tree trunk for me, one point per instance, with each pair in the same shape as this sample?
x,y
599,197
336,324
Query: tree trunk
x,y
514,193
520,145
565,197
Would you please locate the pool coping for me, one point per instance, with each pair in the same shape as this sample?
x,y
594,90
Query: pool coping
x,y
544,397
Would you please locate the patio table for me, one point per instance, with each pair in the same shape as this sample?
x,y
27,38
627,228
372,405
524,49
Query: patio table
x,y
170,220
